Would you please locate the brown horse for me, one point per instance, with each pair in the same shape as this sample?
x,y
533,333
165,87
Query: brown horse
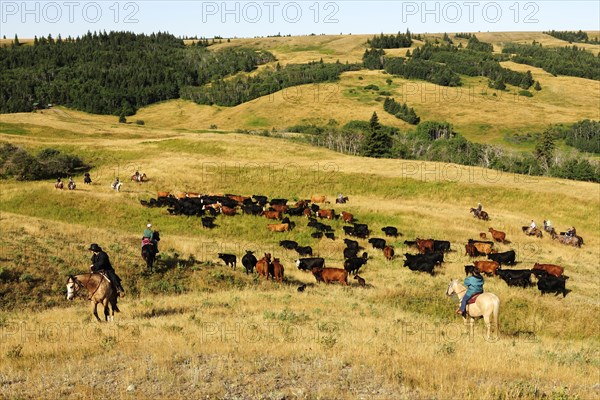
x,y
575,241
481,214
100,291
59,185
532,232
139,178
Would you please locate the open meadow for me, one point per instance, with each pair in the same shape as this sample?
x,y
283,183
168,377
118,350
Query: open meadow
x,y
197,329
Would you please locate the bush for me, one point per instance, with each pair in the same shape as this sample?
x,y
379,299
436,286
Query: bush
x,y
139,122
371,87
525,93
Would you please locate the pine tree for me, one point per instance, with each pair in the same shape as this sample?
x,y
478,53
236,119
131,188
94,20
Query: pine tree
x,y
537,85
377,143
544,149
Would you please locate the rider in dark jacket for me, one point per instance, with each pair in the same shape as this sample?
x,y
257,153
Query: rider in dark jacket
x,y
101,262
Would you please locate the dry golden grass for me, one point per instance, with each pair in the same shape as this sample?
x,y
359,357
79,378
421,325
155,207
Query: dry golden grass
x,y
231,336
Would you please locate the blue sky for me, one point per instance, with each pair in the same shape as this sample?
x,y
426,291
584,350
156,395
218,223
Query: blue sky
x,y
262,18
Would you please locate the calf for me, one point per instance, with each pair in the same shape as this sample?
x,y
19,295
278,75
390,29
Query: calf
x,y
498,236
506,258
304,251
482,235
249,261
388,252
278,227
377,243
331,275
288,244
263,265
425,245
307,264
277,270
390,231
353,264
552,284
487,267
360,280
230,259
515,277
552,269
347,217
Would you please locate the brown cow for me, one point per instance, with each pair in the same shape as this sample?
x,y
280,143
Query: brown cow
x,y
552,269
471,250
388,252
487,267
278,227
228,211
262,265
331,275
329,214
307,212
483,248
347,217
425,245
277,270
282,208
240,199
498,236
316,198
272,214
163,194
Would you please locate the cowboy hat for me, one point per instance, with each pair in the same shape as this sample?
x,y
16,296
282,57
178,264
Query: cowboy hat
x,y
95,247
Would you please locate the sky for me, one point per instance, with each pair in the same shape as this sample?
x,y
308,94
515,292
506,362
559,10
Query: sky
x,y
262,18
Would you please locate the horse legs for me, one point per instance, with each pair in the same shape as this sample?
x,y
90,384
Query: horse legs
x,y
95,310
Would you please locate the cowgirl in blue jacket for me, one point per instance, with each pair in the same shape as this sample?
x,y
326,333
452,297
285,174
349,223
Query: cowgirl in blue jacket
x,y
474,285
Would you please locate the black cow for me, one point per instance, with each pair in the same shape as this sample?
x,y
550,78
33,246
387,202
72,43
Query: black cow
x,y
316,235
252,209
304,251
348,230
288,244
330,235
423,266
377,243
515,277
551,284
229,259
351,244
441,245
261,200
361,231
410,243
416,259
278,202
506,258
249,261
314,208
352,265
390,231
295,211
350,252
208,222
306,264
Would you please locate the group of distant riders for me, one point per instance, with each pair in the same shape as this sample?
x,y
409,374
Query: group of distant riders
x,y
87,179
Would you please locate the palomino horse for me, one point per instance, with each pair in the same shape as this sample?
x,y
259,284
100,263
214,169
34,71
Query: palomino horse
x,y
149,250
100,291
481,215
487,305
139,178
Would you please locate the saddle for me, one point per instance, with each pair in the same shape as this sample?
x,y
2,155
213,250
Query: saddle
x,y
473,299
146,241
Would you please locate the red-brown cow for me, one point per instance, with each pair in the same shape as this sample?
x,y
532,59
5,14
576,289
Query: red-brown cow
x,y
240,199
277,270
315,198
425,245
329,214
282,208
228,211
484,248
262,265
487,267
347,217
388,252
498,236
278,227
552,269
272,214
331,275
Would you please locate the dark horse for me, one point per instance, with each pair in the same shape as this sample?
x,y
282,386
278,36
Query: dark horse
x,y
149,250
481,214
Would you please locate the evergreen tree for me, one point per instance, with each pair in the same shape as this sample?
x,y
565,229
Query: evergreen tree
x,y
537,85
377,142
544,149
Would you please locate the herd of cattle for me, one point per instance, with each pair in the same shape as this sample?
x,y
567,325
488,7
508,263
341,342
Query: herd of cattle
x,y
550,278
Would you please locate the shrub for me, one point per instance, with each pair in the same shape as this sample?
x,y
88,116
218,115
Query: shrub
x,y
525,93
139,122
371,87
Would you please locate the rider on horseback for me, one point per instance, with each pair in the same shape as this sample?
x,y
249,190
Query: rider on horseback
x,y
101,263
474,284
532,227
477,211
148,237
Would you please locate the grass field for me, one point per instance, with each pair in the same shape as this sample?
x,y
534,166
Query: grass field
x,y
197,329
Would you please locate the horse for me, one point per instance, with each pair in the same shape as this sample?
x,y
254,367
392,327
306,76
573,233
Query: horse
x,y
481,214
149,250
139,178
87,179
116,186
487,305
100,291
576,241
59,185
532,232
342,200
71,185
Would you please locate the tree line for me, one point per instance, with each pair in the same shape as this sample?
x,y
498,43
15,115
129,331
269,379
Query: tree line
x,y
112,73
18,163
401,111
398,41
572,36
568,60
238,90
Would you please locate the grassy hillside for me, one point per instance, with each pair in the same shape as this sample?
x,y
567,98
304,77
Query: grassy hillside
x,y
197,329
